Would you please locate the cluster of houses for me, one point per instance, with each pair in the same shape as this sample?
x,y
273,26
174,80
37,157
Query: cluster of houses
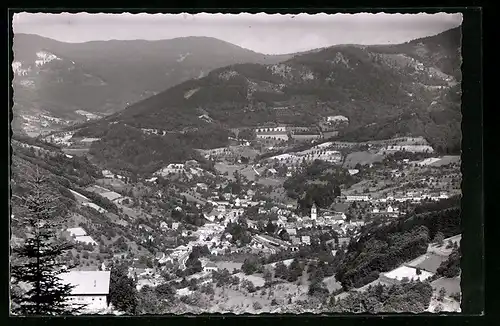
x,y
410,196
190,167
110,175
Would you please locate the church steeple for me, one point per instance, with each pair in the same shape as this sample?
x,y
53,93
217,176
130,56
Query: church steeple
x,y
314,212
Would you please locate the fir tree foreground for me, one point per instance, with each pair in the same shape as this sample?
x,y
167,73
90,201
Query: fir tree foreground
x,y
36,288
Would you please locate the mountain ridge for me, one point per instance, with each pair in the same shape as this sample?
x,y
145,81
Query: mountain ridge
x,y
377,88
103,77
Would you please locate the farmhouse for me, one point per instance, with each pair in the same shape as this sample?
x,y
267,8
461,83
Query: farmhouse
x,y
107,174
90,288
210,267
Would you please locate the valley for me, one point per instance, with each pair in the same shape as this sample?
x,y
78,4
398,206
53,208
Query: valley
x,y
198,176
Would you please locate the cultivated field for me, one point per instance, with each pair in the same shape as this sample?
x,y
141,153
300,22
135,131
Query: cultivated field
x,y
428,262
451,285
256,279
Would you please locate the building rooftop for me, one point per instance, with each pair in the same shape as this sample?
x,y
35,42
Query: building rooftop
x,y
88,282
77,232
86,239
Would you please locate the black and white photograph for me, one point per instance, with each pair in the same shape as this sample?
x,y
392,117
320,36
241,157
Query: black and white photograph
x,y
235,163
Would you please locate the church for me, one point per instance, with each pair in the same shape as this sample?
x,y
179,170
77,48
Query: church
x,y
314,212
327,216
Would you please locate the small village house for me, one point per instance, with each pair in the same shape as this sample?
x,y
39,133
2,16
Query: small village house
x,y
90,288
210,267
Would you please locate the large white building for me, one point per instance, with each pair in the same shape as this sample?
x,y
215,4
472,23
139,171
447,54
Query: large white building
x,y
91,288
357,198
270,129
173,168
275,136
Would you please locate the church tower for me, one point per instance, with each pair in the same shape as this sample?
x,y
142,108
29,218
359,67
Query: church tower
x,y
314,212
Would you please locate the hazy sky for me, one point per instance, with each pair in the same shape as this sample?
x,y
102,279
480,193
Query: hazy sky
x,y
270,34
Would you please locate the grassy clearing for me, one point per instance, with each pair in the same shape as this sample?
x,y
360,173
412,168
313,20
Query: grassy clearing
x,y
237,300
191,198
224,168
133,213
245,151
248,172
256,279
113,184
446,160
232,257
229,265
451,285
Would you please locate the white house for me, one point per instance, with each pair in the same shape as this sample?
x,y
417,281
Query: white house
x,y
90,288
77,232
306,239
357,198
107,174
86,239
210,267
390,209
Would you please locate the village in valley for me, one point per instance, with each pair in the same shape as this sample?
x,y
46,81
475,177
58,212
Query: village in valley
x,y
210,172
192,228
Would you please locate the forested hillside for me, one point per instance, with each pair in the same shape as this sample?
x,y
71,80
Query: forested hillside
x,y
385,91
382,248
103,77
